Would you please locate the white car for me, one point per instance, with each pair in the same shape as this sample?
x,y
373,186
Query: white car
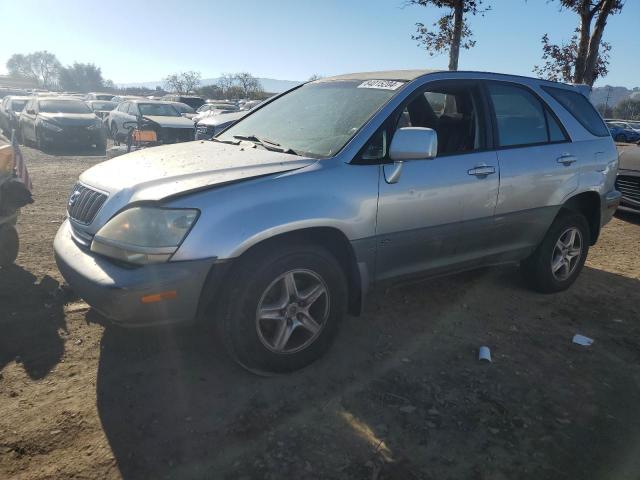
x,y
163,117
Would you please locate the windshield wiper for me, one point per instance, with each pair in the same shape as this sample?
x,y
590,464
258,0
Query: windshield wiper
x,y
266,143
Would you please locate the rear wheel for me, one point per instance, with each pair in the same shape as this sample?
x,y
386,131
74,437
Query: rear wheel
x,y
284,307
9,245
558,260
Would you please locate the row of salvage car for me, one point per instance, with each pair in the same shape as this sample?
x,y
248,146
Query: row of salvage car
x,y
49,120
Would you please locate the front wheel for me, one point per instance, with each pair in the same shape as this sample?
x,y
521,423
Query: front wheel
x,y
282,308
114,133
558,260
620,138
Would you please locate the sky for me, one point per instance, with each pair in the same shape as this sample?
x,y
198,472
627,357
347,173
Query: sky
x,y
140,41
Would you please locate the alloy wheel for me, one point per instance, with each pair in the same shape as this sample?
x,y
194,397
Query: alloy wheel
x,y
566,254
292,311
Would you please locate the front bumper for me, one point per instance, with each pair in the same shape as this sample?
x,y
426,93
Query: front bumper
x,y
115,291
73,136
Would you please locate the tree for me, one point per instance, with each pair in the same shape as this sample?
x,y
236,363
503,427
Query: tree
x,y
225,82
314,77
629,109
248,84
211,91
586,56
183,82
81,77
605,110
451,31
41,66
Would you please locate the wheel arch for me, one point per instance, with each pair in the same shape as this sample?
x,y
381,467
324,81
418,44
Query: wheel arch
x,y
588,204
330,238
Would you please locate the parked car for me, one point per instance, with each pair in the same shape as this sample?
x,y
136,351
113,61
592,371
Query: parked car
x,y
101,107
184,109
279,226
10,110
628,180
124,98
99,96
214,109
60,121
623,133
209,127
248,105
192,101
171,127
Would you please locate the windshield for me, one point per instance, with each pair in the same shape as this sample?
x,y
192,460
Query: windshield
x,y
103,105
17,105
183,108
64,106
317,119
159,109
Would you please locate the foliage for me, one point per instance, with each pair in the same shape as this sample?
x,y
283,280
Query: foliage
x,y
628,109
81,77
183,82
586,57
450,32
42,66
239,85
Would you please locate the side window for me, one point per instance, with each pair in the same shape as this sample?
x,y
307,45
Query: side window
x,y
581,108
556,133
453,111
521,118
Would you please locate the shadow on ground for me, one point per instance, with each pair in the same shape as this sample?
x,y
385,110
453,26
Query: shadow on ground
x,y
401,394
31,317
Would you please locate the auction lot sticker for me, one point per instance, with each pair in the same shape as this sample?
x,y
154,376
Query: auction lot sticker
x,y
383,84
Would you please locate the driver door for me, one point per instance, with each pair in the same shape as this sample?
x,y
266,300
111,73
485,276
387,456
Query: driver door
x,y
437,213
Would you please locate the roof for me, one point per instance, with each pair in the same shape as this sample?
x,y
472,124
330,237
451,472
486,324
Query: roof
x,y
405,75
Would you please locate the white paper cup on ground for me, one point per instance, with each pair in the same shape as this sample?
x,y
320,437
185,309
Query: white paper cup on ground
x,y
582,340
484,354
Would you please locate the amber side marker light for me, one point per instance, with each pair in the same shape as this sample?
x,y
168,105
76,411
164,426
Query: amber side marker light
x,y
158,297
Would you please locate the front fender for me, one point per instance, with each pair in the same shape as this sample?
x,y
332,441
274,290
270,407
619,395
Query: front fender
x,y
236,217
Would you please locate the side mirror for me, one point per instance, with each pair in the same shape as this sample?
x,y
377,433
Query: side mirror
x,y
413,143
30,111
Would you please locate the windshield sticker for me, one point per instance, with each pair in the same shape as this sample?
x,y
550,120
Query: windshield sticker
x,y
383,84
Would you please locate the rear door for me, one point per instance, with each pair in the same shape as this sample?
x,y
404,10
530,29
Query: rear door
x,y
539,168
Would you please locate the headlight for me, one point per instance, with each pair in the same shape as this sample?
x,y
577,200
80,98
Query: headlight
x,y
50,126
144,235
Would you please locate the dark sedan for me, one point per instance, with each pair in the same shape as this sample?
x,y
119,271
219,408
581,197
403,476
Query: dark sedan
x,y
60,121
101,107
628,181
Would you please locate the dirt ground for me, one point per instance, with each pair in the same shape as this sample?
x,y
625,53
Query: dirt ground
x,y
401,395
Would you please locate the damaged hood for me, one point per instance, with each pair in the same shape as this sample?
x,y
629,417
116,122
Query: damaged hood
x,y
160,172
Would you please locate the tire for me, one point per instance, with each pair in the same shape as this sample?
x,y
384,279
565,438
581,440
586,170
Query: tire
x,y
9,245
568,259
620,138
259,281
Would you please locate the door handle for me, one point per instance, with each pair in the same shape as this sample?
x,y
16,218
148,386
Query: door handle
x,y
482,171
566,159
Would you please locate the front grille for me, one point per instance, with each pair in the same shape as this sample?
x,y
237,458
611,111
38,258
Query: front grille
x,y
84,203
176,135
629,187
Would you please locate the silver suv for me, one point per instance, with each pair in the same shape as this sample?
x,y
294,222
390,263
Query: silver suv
x,y
279,226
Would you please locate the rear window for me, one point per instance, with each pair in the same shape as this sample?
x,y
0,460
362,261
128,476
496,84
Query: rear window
x,y
581,108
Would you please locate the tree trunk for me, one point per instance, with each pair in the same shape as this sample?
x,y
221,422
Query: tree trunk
x,y
454,51
594,42
586,16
